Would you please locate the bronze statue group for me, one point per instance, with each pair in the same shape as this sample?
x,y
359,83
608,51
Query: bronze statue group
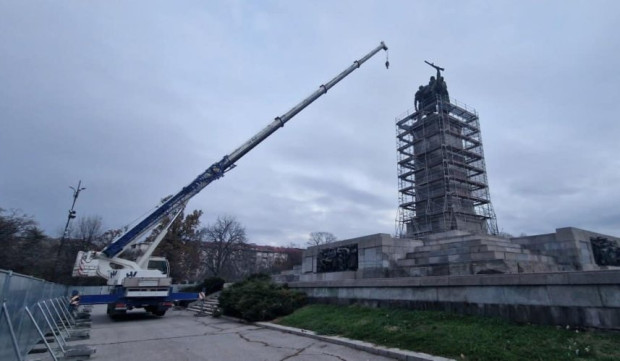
x,y
428,94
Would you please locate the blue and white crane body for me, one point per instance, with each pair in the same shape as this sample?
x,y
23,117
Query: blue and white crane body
x,y
145,283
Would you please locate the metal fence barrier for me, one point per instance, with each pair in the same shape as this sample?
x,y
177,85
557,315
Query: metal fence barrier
x,y
32,308
18,294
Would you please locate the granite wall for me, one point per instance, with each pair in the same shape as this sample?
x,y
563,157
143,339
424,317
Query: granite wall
x,y
584,298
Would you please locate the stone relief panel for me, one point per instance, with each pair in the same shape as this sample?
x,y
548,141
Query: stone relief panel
x,y
337,259
606,251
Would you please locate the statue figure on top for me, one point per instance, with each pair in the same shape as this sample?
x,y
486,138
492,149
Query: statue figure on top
x,y
428,93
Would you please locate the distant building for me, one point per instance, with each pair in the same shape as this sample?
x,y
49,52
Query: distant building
x,y
240,260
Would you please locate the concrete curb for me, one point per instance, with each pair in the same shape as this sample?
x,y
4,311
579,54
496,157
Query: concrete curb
x,y
394,353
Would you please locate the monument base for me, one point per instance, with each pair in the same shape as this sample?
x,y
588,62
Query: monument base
x,y
377,256
457,253
582,298
460,253
569,277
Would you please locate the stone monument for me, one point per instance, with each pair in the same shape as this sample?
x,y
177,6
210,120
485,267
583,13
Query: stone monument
x,y
448,254
441,169
446,223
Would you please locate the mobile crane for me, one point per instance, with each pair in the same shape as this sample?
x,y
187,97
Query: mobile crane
x,y
144,283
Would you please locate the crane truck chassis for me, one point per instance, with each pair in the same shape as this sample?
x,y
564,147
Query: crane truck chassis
x,y
144,283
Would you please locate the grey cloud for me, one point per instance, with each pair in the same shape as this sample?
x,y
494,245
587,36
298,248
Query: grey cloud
x,y
136,99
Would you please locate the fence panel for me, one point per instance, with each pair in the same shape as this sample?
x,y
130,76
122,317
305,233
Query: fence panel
x,y
16,292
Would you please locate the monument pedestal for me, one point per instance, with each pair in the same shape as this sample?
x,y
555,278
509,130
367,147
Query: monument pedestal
x,y
460,272
456,253
460,253
373,256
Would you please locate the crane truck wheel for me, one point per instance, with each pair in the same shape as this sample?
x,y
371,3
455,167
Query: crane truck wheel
x,y
155,310
115,314
159,313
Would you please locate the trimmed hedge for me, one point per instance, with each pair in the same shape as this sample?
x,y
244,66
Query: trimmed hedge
x,y
259,299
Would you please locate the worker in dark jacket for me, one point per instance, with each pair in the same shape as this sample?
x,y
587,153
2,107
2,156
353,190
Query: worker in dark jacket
x,y
74,302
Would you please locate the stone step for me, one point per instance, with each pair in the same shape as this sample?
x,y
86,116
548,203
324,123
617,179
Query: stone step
x,y
457,239
464,251
206,306
446,235
529,257
460,257
468,247
481,267
457,268
474,257
470,243
208,302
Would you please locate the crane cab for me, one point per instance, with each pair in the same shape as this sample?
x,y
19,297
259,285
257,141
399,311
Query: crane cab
x,y
159,264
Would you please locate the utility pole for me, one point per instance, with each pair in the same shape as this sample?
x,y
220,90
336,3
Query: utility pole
x,y
76,194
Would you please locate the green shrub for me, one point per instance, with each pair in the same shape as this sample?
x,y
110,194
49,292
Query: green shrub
x,y
262,277
209,285
259,299
217,312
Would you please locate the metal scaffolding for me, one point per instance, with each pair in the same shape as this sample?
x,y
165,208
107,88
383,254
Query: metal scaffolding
x,y
442,177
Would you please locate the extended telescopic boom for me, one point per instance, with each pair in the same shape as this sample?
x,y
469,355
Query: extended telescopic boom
x,y
218,169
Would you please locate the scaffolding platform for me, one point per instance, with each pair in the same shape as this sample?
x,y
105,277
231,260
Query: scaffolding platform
x,y
442,177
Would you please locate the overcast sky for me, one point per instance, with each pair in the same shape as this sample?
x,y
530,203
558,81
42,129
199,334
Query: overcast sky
x,y
136,98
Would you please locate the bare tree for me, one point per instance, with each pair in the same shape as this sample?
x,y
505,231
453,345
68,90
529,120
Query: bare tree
x,y
89,229
25,247
319,238
109,236
223,245
14,223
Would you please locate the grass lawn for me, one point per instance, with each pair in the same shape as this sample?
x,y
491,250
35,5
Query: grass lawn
x,y
456,336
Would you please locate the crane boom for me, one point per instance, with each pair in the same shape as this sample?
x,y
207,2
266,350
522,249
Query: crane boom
x,y
217,170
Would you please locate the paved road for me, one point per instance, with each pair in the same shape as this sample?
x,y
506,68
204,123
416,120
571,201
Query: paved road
x,y
180,336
